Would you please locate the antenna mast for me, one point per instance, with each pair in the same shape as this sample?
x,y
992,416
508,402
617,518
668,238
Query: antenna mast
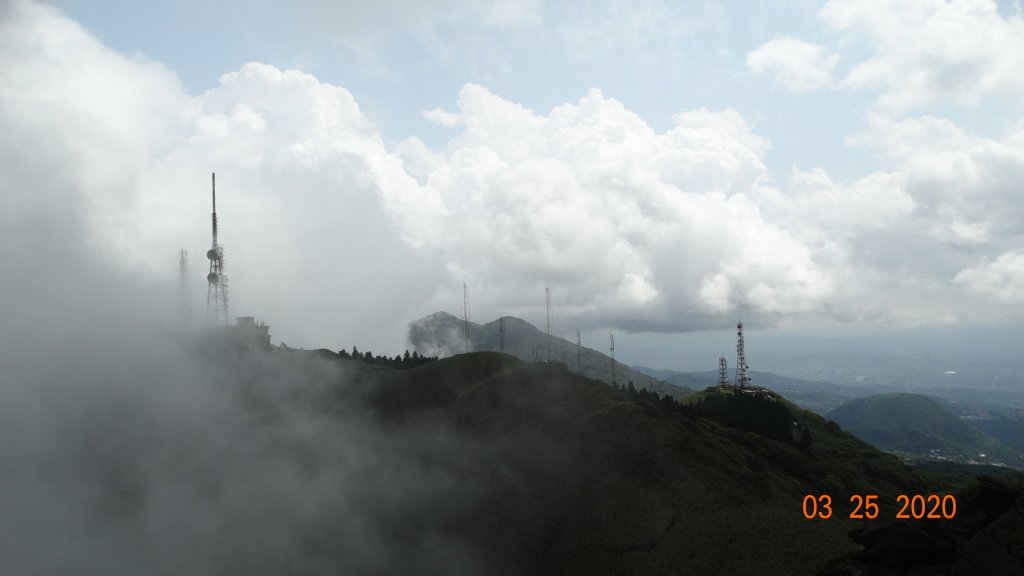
x,y
501,332
723,371
579,361
742,378
547,296
611,347
217,289
183,307
465,316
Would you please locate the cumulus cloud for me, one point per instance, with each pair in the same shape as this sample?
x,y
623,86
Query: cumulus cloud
x,y
795,64
336,238
932,51
919,53
1001,279
656,230
301,173
965,186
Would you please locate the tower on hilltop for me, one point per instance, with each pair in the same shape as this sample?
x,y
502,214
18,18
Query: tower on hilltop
x,y
217,289
742,378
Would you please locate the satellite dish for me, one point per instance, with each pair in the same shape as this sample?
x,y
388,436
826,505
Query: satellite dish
x,y
212,254
212,278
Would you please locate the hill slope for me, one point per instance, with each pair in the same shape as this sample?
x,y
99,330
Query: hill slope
x,y
818,397
918,425
574,477
441,334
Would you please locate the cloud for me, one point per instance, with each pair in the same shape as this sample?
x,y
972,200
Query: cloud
x,y
653,230
796,65
127,156
913,54
1001,279
931,51
965,186
336,238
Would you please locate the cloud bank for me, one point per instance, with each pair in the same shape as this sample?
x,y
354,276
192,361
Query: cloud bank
x,y
336,237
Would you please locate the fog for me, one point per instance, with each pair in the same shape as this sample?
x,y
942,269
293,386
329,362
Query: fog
x,y
127,451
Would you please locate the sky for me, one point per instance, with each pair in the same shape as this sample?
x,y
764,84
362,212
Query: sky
x,y
825,171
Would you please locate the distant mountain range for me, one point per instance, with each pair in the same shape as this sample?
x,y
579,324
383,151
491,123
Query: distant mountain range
x,y
917,425
818,397
441,334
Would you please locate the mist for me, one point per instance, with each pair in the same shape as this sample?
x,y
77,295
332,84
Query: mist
x,y
129,448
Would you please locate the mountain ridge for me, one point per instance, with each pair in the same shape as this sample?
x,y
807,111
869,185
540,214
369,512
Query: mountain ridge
x,y
441,334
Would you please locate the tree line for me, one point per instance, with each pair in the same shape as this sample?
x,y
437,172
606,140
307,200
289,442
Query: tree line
x,y
400,361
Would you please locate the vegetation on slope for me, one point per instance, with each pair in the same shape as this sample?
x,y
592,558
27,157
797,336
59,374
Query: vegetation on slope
x,y
570,476
442,334
920,426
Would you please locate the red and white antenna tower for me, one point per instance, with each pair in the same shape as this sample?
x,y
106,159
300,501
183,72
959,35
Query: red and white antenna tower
x,y
742,378
217,289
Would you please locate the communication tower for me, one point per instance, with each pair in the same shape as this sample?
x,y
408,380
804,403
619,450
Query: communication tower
x,y
217,289
742,378
184,310
547,296
723,371
465,316
501,332
579,360
611,348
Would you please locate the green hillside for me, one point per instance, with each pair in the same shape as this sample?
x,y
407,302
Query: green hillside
x,y
575,477
442,334
921,427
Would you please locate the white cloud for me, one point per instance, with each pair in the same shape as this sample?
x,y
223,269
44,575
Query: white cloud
x,y
966,187
795,64
932,51
302,176
913,54
332,236
1001,279
629,225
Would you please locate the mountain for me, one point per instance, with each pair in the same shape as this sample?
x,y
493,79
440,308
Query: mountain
x,y
569,476
921,426
562,474
818,397
441,334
